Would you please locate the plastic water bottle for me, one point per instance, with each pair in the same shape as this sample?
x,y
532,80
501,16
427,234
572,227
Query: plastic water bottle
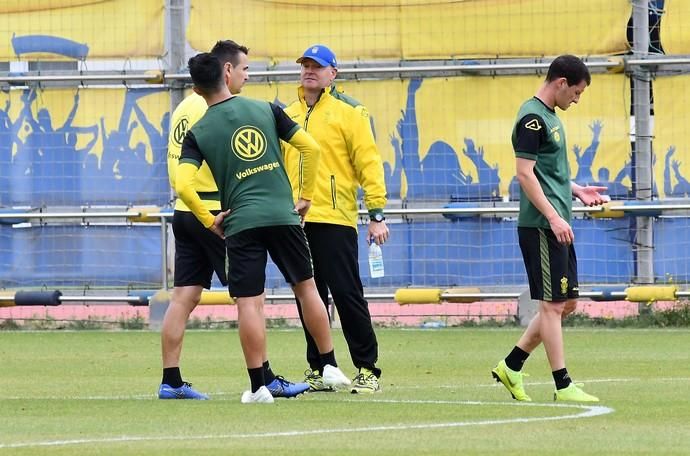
x,y
375,261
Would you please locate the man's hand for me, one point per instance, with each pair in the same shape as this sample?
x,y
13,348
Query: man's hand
x,y
302,207
591,195
217,226
378,232
563,232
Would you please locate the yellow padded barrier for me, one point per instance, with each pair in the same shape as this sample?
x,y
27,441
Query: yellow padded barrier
x,y
418,296
161,296
208,298
651,293
154,77
7,300
620,65
607,212
215,298
140,214
461,291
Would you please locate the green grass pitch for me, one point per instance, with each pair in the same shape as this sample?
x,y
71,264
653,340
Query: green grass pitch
x,y
67,393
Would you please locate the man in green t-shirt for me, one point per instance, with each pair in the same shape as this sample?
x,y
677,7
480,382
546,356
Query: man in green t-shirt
x,y
198,251
544,225
239,139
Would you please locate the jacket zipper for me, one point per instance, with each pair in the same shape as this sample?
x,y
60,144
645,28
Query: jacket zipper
x,y
306,119
333,192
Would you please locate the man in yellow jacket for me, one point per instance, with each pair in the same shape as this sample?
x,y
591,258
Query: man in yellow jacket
x,y
349,159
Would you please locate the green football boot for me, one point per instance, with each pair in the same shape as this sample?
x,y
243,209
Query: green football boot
x,y
512,380
573,393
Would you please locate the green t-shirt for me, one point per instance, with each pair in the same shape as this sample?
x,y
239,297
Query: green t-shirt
x,y
538,135
239,139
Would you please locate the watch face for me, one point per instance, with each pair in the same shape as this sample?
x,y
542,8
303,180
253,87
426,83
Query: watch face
x,y
378,217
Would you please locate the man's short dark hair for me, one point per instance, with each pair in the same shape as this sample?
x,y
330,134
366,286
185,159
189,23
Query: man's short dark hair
x,y
229,51
569,67
206,71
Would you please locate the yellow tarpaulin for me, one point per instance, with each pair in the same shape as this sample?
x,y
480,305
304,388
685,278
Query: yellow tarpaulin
x,y
490,28
671,138
675,33
281,31
467,116
437,136
409,29
23,6
63,29
96,122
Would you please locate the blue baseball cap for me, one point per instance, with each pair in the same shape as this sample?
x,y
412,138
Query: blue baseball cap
x,y
319,54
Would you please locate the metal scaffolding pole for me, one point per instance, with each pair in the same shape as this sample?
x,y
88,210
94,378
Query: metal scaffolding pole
x,y
175,77
643,182
176,41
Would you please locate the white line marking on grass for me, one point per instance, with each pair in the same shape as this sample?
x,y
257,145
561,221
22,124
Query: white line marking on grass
x,y
586,411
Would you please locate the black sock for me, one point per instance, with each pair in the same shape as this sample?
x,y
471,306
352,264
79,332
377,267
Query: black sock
x,y
516,358
256,376
172,377
269,376
327,358
561,378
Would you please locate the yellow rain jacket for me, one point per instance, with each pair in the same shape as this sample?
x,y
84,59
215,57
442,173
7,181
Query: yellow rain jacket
x,y
349,158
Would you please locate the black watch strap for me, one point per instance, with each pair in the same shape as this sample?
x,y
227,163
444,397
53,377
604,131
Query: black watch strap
x,y
376,215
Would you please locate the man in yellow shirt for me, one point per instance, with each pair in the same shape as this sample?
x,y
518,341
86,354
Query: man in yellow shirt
x,y
349,159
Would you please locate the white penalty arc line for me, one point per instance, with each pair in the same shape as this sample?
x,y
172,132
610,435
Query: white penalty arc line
x,y
586,411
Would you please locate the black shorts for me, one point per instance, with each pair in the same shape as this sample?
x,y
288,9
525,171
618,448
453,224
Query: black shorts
x,y
247,257
198,252
551,266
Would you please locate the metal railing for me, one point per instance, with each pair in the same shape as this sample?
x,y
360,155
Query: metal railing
x,y
161,217
161,77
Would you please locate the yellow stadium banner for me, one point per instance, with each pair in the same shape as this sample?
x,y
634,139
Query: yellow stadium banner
x,y
22,6
409,29
671,136
675,33
443,137
134,118
510,28
281,31
72,146
598,134
78,29
475,116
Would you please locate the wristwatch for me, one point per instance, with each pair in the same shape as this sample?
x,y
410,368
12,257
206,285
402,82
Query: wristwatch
x,y
377,217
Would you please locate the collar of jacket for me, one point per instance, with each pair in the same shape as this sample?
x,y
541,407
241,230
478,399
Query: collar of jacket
x,y
330,91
